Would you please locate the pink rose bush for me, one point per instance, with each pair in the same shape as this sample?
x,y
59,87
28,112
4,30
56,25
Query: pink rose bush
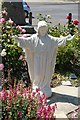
x,y
11,53
23,103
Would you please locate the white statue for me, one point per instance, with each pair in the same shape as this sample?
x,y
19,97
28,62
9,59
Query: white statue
x,y
40,53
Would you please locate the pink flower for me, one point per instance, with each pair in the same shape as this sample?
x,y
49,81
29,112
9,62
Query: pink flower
x,y
10,21
49,108
37,89
2,20
1,66
43,96
21,57
3,95
26,92
19,28
75,22
33,94
53,108
23,30
44,109
39,111
40,100
45,112
14,92
47,117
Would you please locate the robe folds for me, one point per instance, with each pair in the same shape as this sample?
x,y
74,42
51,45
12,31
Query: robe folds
x,y
40,53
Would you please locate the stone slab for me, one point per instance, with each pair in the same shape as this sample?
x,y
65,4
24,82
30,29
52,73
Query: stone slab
x,y
67,90
60,115
65,107
67,99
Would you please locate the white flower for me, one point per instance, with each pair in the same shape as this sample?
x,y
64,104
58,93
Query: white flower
x,y
4,50
49,16
3,53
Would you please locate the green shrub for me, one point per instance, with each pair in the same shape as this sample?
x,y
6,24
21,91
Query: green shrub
x,y
69,53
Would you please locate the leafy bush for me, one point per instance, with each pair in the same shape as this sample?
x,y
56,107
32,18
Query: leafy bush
x,y
68,56
70,52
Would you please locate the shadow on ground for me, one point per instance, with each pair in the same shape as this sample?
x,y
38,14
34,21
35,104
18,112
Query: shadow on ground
x,y
56,97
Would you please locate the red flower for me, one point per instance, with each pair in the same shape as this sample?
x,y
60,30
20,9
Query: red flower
x,y
20,113
75,22
68,17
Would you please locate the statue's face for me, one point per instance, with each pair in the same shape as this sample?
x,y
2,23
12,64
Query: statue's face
x,y
42,31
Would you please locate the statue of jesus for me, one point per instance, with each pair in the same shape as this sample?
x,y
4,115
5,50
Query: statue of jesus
x,y
40,53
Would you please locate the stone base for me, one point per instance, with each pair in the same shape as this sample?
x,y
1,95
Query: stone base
x,y
29,29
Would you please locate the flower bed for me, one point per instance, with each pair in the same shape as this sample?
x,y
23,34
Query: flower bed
x,y
24,103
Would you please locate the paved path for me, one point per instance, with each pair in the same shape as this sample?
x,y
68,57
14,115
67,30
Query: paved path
x,y
67,100
55,1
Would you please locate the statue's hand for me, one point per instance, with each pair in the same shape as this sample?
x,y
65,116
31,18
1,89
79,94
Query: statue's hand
x,y
70,37
15,37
